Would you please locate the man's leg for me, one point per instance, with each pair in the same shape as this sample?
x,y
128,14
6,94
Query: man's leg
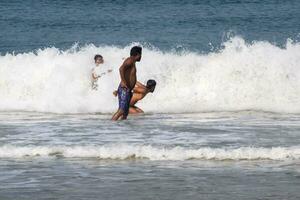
x,y
117,115
124,97
135,110
119,112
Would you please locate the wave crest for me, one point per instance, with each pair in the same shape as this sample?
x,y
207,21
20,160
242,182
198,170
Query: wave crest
x,y
124,152
241,76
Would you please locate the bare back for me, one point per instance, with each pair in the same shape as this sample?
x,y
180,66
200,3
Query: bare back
x,y
136,97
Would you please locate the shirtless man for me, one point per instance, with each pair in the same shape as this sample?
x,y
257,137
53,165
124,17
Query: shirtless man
x,y
128,81
139,92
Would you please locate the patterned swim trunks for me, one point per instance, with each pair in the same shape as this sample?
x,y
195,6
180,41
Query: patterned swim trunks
x,y
124,96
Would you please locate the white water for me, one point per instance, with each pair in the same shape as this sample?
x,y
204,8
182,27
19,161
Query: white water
x,y
241,76
152,153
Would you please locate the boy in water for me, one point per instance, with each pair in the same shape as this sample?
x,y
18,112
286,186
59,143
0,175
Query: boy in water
x,y
128,81
98,71
139,92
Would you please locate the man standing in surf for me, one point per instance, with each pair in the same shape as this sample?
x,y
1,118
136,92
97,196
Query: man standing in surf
x,y
128,81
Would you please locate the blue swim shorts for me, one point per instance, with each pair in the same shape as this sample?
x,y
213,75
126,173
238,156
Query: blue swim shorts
x,y
124,96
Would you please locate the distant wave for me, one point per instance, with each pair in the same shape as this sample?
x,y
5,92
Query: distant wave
x,y
124,152
240,76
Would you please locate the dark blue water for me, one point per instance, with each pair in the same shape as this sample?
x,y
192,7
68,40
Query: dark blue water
x,y
193,25
234,155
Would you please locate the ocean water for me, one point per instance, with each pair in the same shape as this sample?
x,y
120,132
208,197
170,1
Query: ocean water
x,y
223,122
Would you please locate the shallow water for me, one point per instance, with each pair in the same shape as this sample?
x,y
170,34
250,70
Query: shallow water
x,y
241,155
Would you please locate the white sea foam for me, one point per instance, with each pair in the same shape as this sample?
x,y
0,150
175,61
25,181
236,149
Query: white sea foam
x,y
241,76
124,152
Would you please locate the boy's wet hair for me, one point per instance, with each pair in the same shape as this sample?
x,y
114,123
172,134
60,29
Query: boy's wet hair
x,y
98,56
135,51
151,84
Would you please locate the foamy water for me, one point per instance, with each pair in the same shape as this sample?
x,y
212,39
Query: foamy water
x,y
211,136
88,152
239,76
125,152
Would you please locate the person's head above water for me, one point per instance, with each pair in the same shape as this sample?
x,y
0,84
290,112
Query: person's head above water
x,y
136,52
151,85
98,59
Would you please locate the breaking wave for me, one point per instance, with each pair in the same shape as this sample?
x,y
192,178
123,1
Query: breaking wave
x,y
124,152
240,76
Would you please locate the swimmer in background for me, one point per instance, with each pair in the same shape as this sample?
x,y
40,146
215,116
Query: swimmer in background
x,y
98,71
139,92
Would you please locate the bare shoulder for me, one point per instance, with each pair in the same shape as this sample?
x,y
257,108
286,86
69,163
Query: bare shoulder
x,y
128,61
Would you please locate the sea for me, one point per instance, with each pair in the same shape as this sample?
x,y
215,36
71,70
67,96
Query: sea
x,y
222,123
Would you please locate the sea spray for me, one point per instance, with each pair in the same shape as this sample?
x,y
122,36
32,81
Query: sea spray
x,y
240,76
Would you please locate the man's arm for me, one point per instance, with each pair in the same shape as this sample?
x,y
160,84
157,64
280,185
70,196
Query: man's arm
x,y
125,66
115,93
94,75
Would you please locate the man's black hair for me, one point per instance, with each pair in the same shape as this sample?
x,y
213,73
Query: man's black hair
x,y
135,51
97,56
151,84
